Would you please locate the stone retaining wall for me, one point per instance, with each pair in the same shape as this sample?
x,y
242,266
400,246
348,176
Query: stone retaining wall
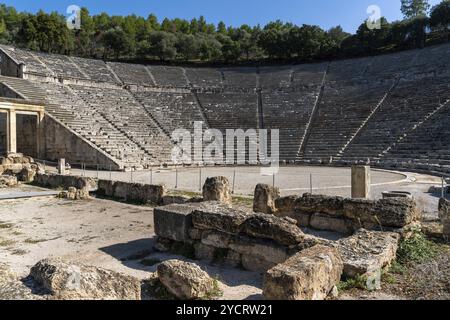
x,y
348,215
17,166
340,214
217,233
131,192
59,181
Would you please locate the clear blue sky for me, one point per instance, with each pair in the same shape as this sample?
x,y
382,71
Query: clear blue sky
x,y
326,13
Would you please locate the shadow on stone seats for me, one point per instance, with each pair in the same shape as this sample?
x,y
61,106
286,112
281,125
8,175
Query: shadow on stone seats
x,y
130,253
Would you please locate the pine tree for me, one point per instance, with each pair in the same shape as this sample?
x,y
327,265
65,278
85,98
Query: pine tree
x,y
414,8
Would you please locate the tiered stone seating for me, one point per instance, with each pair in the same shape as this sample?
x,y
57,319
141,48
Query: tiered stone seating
x,y
275,77
169,76
96,70
172,110
132,73
27,57
289,112
25,88
240,78
406,106
341,112
68,108
391,65
346,70
121,109
307,75
204,77
230,111
62,66
428,144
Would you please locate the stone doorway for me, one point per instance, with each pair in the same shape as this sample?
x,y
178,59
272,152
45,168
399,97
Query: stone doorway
x,y
27,134
3,133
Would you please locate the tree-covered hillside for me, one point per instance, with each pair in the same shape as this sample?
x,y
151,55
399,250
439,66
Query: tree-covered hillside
x,y
134,38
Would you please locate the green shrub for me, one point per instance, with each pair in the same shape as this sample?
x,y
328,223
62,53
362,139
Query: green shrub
x,y
416,249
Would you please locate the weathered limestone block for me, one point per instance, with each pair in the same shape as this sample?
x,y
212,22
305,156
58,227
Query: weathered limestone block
x,y
59,181
186,280
72,282
75,194
146,193
281,230
285,205
397,212
220,256
368,252
13,169
329,223
264,199
121,190
257,254
217,216
62,166
309,275
7,181
204,252
174,221
391,212
26,175
217,239
360,182
105,188
13,288
217,189
444,215
166,200
309,203
195,234
132,192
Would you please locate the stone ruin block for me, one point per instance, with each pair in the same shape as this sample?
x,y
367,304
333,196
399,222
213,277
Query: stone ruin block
x,y
281,230
368,252
8,181
217,189
259,255
58,181
217,216
187,281
360,182
285,205
264,199
309,275
348,215
173,222
308,203
391,212
325,222
444,215
255,241
78,282
131,192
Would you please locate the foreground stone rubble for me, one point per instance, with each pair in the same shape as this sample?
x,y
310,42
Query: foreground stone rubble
x,y
309,275
187,281
368,252
78,282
